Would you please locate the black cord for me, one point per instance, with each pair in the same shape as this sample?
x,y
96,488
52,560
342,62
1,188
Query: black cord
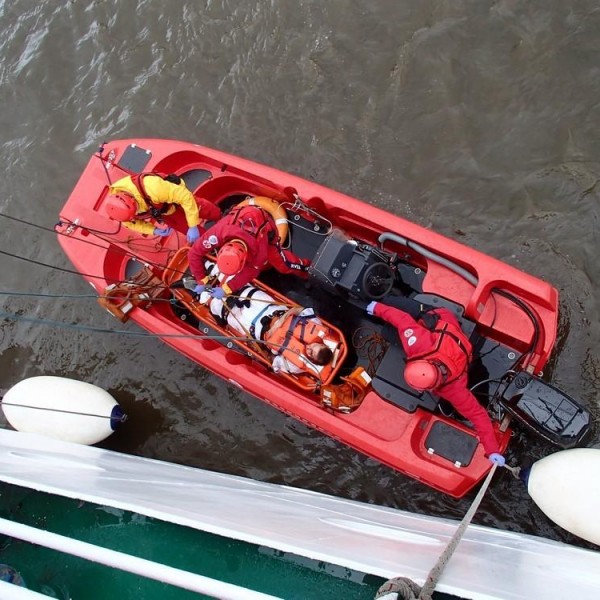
x,y
99,155
58,410
83,296
527,310
112,249
41,264
144,334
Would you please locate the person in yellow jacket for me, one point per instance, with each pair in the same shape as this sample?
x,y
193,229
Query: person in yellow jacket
x,y
147,203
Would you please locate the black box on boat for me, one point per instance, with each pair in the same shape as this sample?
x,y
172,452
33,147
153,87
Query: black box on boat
x,y
343,264
546,410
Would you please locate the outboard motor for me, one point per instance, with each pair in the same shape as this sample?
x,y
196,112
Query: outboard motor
x,y
342,264
546,410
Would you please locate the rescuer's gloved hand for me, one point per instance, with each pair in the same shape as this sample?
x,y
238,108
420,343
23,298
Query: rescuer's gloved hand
x,y
199,288
162,232
218,292
192,235
371,307
497,459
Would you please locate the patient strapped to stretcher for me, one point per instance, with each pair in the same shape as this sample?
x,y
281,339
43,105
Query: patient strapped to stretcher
x,y
299,341
273,331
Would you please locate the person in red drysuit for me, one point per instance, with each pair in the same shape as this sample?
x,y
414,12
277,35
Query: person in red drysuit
x,y
437,358
246,242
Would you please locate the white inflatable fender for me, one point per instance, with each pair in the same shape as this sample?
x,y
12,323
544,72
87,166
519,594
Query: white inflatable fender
x,y
566,487
63,409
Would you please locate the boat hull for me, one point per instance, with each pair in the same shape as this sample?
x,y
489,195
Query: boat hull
x,y
406,439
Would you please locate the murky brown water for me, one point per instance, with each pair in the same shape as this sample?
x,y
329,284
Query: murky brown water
x,y
478,119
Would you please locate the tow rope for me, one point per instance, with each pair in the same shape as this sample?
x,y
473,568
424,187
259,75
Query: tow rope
x,y
403,588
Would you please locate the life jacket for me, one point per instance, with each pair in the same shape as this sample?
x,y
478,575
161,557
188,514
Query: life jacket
x,y
452,349
347,396
155,209
254,220
291,333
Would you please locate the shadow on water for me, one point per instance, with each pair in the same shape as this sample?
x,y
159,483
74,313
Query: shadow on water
x,y
142,420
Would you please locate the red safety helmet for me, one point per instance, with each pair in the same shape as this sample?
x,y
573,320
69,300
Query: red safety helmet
x,y
422,375
231,257
120,206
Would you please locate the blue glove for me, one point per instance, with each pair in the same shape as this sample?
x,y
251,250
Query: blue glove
x,y
497,459
218,293
162,232
199,288
192,235
371,307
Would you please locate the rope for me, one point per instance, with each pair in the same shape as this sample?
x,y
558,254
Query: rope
x,y
406,586
147,245
42,264
144,334
144,288
59,410
75,326
371,345
399,588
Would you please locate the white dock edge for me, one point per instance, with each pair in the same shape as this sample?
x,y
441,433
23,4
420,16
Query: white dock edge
x,y
488,564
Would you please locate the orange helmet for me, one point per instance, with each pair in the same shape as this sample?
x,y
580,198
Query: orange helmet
x,y
231,257
422,375
120,206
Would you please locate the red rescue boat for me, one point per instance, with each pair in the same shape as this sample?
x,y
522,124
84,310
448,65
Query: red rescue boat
x,y
358,253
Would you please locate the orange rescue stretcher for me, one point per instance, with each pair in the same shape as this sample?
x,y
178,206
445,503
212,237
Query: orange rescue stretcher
x,y
311,382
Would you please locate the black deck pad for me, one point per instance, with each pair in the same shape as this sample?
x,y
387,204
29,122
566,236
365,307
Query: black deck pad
x,y
435,301
194,178
451,443
135,159
390,385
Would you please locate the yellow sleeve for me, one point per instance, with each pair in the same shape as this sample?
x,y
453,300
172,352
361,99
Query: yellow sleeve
x,y
160,190
140,226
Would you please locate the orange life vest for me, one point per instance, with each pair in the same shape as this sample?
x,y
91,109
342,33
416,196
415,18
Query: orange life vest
x,y
290,334
452,349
